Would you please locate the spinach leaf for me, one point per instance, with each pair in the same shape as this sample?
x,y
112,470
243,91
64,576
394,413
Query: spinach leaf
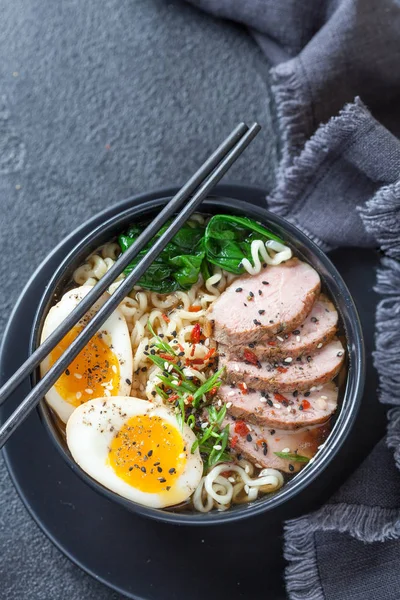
x,y
228,240
179,264
224,242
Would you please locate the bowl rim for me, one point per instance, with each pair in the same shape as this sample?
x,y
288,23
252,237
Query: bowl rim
x,y
137,207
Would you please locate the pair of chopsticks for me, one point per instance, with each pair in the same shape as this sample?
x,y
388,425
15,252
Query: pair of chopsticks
x,y
189,197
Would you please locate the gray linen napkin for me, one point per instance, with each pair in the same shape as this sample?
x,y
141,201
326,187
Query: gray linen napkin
x,y
339,181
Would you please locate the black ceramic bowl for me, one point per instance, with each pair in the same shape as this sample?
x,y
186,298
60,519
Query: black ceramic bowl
x,y
350,389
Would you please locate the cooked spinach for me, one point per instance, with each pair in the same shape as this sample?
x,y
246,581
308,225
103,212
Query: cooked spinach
x,y
224,242
228,240
178,266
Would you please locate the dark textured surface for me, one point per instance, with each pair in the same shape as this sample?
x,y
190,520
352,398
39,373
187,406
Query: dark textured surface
x,y
100,100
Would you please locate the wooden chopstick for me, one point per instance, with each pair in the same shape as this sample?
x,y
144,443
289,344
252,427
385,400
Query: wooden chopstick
x,y
204,180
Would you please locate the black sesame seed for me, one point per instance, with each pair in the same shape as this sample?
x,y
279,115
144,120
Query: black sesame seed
x,y
159,469
154,393
143,469
271,321
269,402
265,282
295,393
239,456
162,480
291,468
239,290
150,452
131,468
156,464
251,294
309,358
259,292
301,407
172,471
161,335
306,394
340,353
251,345
272,431
244,304
248,437
168,488
152,352
67,371
265,448
261,312
314,319
256,322
296,332
146,347
174,333
144,369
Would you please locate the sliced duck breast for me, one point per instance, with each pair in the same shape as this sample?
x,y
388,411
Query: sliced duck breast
x,y
283,411
259,444
292,374
276,300
317,330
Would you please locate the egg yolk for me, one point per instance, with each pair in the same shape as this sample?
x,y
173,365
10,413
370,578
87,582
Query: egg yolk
x,y
93,373
148,453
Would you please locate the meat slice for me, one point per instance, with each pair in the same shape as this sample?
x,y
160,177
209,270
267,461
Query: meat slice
x,y
259,444
278,299
300,374
283,411
317,330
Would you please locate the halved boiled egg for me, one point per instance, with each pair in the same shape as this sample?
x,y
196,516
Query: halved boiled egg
x,y
136,449
102,368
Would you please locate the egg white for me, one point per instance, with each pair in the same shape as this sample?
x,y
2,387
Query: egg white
x,y
115,329
92,427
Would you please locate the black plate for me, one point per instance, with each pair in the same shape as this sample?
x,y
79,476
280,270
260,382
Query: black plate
x,y
146,559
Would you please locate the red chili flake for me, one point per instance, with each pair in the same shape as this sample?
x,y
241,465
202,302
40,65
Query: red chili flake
x,y
227,473
271,343
196,333
279,397
166,319
250,356
173,397
260,442
193,350
181,348
242,387
213,391
166,356
210,353
241,428
196,361
190,398
194,308
305,404
281,369
234,441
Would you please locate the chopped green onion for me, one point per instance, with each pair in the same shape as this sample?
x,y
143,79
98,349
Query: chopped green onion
x,y
293,457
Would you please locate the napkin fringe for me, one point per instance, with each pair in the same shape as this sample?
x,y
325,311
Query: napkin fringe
x,y
295,174
381,216
293,111
365,523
